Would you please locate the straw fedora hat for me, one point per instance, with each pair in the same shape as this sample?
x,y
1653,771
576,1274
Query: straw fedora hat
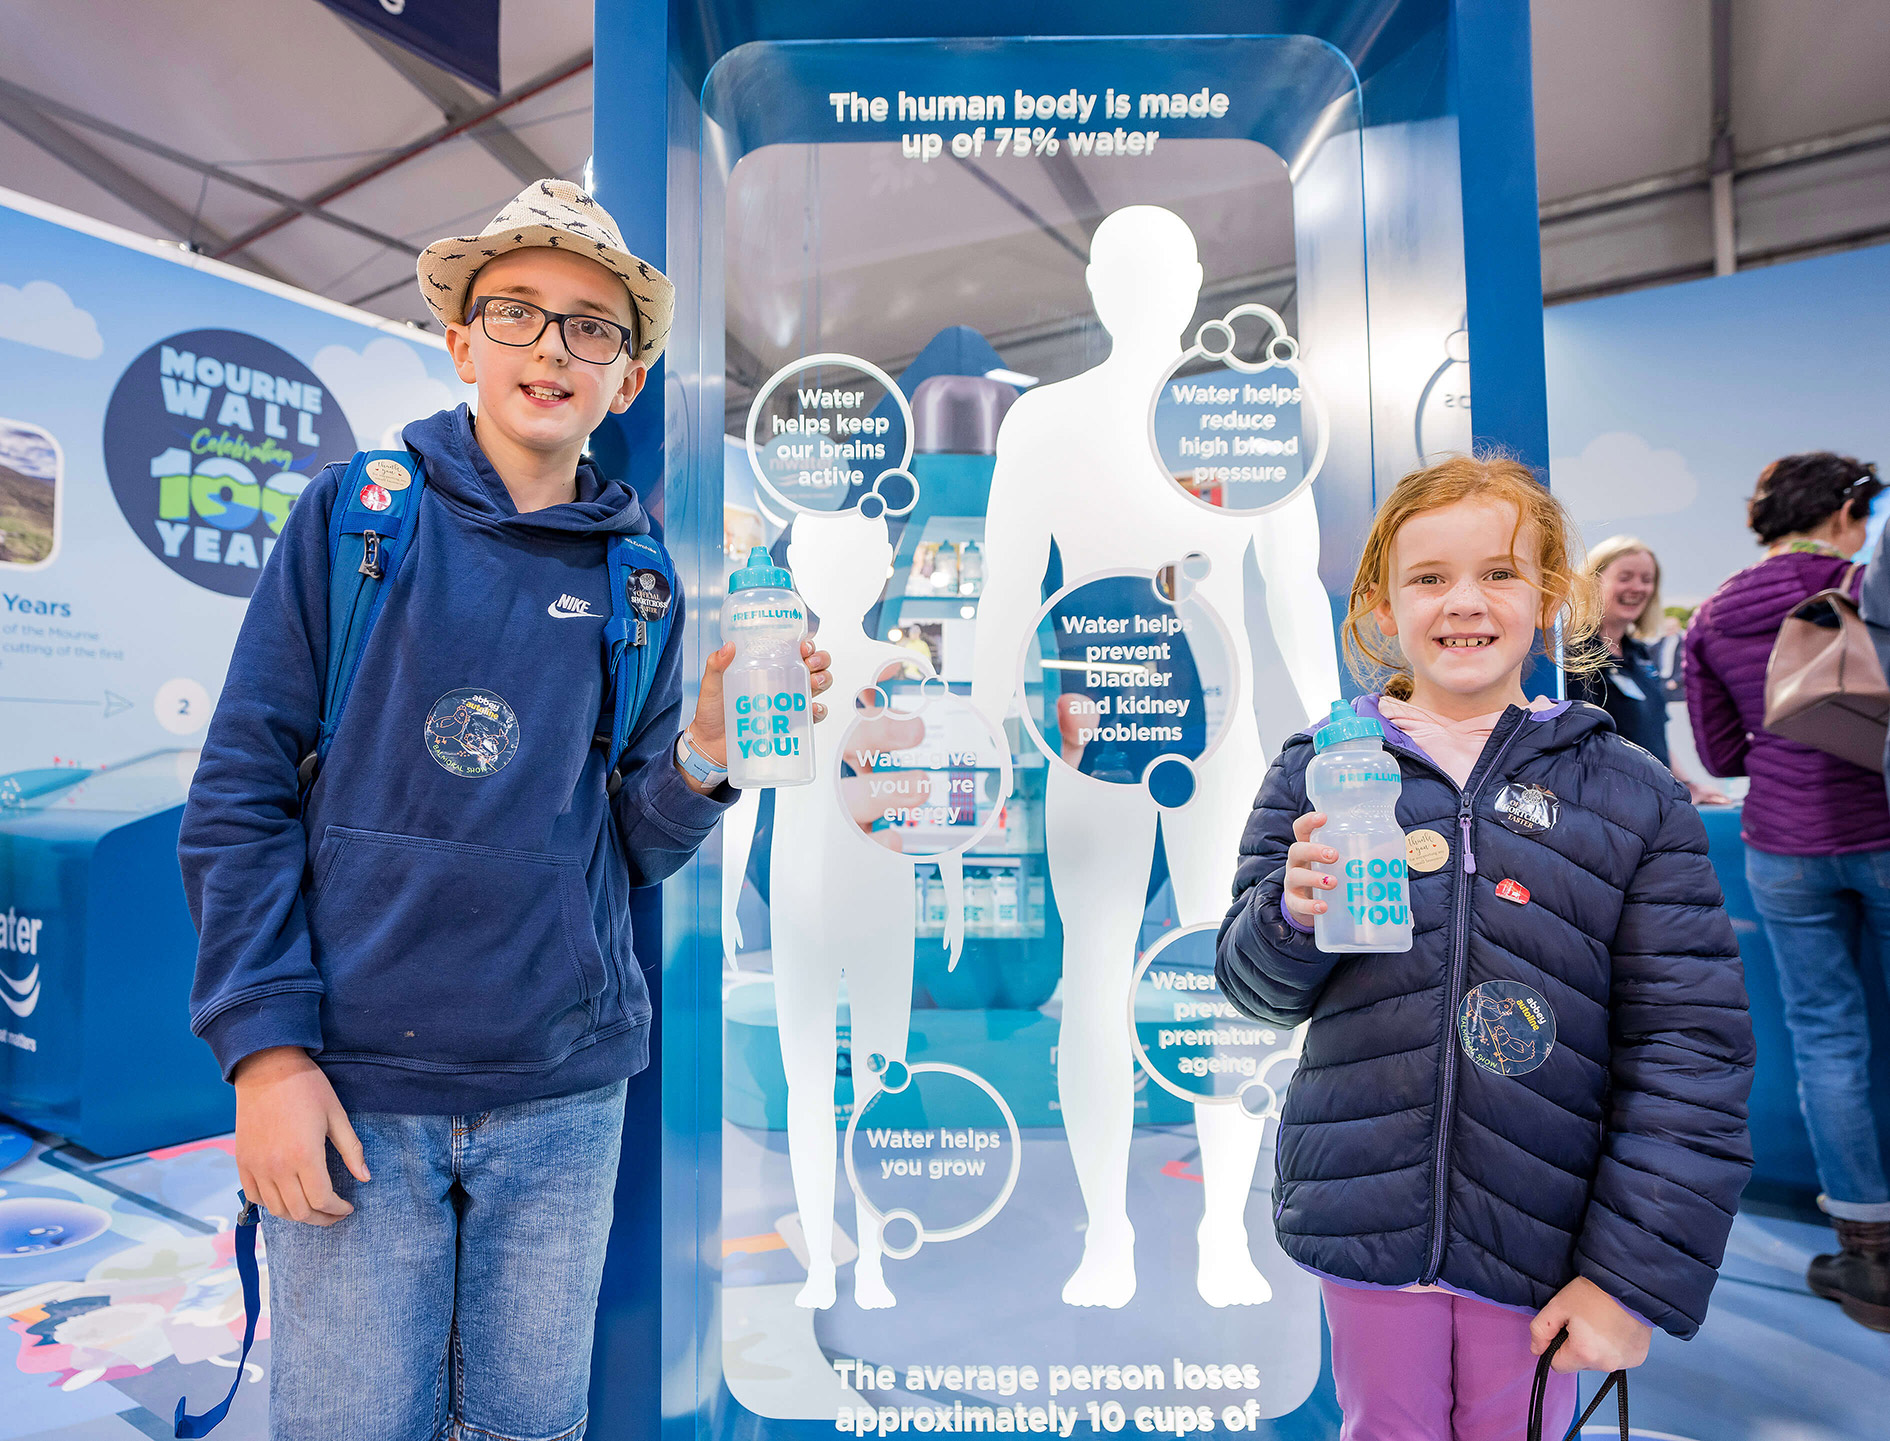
x,y
556,215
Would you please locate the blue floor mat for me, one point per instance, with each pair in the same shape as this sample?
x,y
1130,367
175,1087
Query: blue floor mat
x,y
108,1330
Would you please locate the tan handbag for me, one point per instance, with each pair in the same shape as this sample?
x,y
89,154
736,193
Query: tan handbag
x,y
1824,686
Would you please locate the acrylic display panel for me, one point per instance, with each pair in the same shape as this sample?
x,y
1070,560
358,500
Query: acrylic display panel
x,y
1043,414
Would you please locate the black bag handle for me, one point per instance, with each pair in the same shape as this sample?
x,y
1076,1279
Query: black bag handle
x,y
1538,1394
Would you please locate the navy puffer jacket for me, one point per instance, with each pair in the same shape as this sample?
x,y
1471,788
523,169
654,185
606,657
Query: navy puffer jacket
x,y
1621,1156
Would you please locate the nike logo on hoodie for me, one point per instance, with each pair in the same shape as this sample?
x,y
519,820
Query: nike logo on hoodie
x,y
566,606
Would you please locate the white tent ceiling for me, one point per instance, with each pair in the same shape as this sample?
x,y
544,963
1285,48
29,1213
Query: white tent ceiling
x,y
1624,134
286,95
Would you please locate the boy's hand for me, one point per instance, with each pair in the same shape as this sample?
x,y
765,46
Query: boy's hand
x,y
1602,1335
1303,883
706,732
286,1114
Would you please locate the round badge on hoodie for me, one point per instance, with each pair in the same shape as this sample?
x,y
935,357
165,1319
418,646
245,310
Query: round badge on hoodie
x,y
1506,1027
389,474
472,733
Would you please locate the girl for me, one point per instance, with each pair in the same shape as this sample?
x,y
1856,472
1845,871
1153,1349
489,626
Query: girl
x,y
1535,1118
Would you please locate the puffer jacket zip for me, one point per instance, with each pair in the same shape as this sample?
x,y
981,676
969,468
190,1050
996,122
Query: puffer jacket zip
x,y
1453,987
1459,959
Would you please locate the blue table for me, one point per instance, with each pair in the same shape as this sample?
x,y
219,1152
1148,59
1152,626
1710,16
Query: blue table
x,y
95,1041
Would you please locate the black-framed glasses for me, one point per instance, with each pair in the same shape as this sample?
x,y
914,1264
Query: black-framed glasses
x,y
589,338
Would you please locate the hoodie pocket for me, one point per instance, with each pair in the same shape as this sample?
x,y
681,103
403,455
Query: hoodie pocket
x,y
451,956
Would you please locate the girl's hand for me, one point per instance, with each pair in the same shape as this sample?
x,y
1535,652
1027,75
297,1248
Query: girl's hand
x,y
1304,885
1602,1335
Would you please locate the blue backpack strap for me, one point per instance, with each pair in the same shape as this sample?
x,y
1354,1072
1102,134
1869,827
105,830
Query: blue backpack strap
x,y
369,533
246,1220
642,600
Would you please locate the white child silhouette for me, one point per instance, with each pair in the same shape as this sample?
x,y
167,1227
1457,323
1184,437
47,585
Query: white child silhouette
x,y
836,907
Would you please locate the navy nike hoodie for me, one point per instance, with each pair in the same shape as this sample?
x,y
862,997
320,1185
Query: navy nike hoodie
x,y
444,926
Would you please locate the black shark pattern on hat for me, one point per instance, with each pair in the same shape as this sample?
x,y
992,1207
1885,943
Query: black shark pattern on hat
x,y
557,224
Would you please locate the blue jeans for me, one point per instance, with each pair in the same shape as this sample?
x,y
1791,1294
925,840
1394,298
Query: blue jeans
x,y
1814,909
456,1302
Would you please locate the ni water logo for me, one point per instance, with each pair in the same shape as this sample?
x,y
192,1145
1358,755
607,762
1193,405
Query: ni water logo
x,y
19,937
209,438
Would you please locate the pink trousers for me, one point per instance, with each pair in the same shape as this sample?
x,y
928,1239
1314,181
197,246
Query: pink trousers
x,y
1430,1366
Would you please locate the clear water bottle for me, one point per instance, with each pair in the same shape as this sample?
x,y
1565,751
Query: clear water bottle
x,y
936,904
767,700
1004,900
1356,783
945,569
980,900
971,570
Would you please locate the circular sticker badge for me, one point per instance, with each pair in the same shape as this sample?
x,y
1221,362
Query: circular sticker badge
x,y
1426,851
933,1155
1506,1027
1442,421
389,474
648,594
833,432
374,498
1526,808
1128,676
922,771
1237,435
472,733
1191,1040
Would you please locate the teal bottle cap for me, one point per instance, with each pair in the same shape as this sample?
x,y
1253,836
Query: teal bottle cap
x,y
760,571
1345,724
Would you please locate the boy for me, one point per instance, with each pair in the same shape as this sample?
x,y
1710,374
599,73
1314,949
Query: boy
x,y
426,963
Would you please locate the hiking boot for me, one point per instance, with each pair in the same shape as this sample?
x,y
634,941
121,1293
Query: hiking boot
x,y
1858,1276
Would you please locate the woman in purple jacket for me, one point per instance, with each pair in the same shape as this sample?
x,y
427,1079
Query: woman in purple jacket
x,y
1817,833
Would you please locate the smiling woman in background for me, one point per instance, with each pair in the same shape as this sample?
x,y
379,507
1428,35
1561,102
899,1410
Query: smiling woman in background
x,y
1630,688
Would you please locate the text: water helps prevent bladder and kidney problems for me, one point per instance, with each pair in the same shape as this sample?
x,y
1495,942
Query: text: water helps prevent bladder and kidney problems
x,y
767,704
1356,784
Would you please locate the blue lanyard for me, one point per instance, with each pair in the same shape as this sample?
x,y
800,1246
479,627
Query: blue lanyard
x,y
246,1219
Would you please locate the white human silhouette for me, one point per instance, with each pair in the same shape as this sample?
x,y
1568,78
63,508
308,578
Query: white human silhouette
x,y
1074,465
836,906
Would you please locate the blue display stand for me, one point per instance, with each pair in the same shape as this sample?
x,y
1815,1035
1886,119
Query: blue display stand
x,y
1445,190
97,1042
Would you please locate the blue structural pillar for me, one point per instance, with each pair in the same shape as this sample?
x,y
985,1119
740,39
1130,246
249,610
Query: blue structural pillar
x,y
1502,253
631,180
630,133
